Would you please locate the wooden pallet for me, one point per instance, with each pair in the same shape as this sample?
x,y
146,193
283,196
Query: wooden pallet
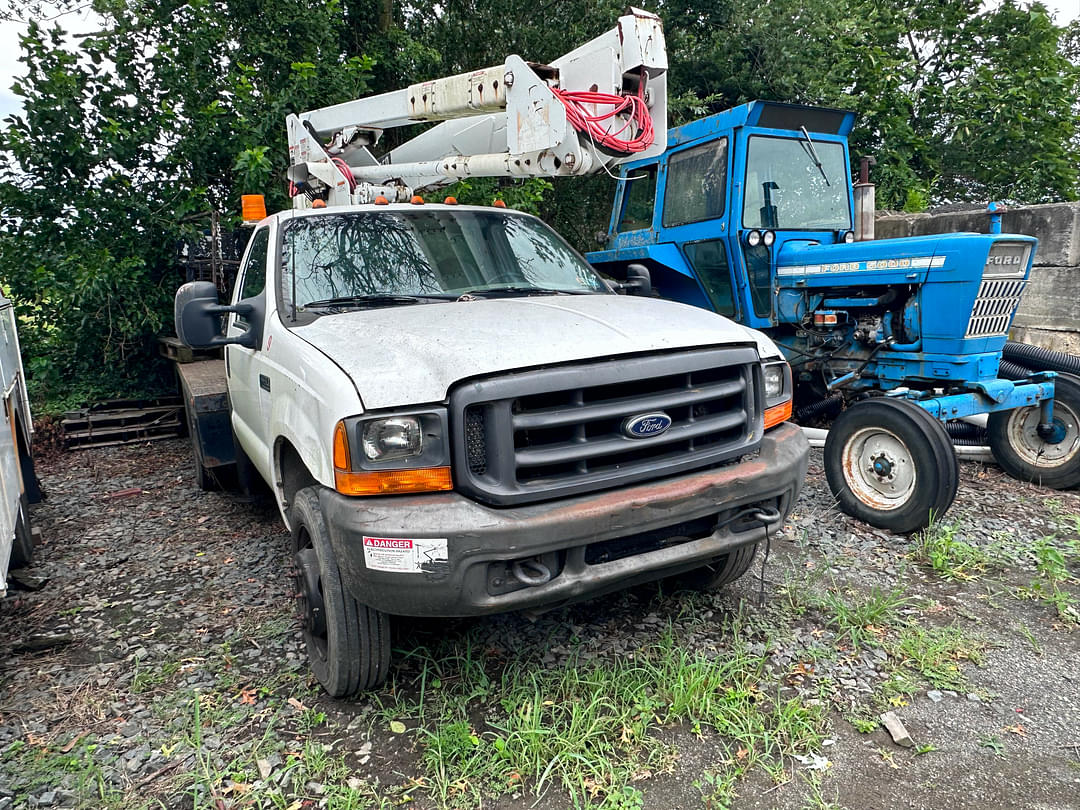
x,y
123,422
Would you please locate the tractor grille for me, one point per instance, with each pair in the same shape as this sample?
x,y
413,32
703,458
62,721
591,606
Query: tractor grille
x,y
994,307
556,432
1002,286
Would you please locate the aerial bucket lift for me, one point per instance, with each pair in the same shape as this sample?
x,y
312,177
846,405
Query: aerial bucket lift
x,y
589,110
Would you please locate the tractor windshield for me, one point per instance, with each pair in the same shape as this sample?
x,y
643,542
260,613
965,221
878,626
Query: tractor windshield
x,y
786,189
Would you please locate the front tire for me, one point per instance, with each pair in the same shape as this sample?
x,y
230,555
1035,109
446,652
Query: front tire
x,y
348,643
723,571
1024,455
890,464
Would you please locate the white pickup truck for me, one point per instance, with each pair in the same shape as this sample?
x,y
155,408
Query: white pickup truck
x,y
457,416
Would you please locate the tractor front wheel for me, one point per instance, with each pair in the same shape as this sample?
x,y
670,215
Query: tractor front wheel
x,y
1053,461
890,464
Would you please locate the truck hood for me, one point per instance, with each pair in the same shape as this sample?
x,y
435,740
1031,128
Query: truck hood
x,y
412,355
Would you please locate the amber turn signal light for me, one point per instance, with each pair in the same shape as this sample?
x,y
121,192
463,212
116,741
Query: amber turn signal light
x,y
393,482
777,414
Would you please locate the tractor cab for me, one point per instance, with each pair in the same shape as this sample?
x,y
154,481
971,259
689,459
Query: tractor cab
x,y
732,190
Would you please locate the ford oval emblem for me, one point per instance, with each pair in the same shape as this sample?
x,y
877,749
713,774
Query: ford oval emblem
x,y
646,425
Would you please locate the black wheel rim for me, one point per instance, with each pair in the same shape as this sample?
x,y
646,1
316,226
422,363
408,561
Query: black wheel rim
x,y
310,605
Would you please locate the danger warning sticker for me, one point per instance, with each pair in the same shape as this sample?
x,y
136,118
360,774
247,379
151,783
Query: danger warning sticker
x,y
406,555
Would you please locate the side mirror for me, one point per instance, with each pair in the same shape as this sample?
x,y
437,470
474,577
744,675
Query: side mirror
x,y
638,281
198,317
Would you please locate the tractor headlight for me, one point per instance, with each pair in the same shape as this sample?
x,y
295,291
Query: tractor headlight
x,y
753,238
768,238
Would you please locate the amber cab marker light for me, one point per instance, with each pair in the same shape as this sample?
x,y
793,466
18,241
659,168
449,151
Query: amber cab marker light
x,y
393,482
318,203
777,414
381,200
450,201
499,204
417,200
252,207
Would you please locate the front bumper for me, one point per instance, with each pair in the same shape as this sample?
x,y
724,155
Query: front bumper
x,y
580,540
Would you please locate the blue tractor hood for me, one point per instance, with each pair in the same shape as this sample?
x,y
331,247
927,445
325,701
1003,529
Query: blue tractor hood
x,y
889,261
969,284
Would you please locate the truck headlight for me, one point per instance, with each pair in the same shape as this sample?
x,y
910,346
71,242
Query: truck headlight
x,y
774,381
393,438
401,452
778,388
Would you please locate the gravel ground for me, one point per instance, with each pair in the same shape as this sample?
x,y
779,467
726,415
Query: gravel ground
x,y
161,647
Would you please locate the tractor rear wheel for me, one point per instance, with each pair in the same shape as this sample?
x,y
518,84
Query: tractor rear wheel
x,y
1020,450
890,464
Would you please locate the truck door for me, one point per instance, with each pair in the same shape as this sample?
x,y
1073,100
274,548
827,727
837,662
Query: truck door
x,y
695,217
249,390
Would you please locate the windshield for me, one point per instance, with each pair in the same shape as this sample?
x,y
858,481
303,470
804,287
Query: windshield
x,y
786,189
394,257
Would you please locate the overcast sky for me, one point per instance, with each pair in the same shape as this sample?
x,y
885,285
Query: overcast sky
x,y
1064,11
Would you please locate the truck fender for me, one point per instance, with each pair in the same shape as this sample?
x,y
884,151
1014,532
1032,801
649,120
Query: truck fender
x,y
300,440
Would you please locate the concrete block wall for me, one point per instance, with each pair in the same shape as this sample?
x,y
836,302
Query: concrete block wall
x,y
1049,315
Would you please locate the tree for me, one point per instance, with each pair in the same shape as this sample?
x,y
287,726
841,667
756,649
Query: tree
x,y
958,102
170,110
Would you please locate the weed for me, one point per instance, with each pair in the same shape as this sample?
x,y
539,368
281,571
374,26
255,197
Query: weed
x,y
993,742
1025,631
79,769
816,799
1051,566
717,789
923,748
860,618
935,653
308,720
940,547
144,680
861,722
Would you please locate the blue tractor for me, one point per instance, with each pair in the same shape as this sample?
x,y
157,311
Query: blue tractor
x,y
752,213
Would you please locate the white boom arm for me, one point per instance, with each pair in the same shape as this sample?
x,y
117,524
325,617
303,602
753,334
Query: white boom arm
x,y
503,121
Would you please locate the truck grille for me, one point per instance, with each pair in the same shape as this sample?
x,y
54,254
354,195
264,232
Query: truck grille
x,y
561,431
1002,286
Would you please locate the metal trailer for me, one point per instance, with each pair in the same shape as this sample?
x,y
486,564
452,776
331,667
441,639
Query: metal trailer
x,y
751,213
18,484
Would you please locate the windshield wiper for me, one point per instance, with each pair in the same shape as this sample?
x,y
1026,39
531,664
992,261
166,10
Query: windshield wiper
x,y
516,290
374,300
809,147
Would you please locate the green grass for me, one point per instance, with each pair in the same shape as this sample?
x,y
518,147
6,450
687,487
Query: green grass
x,y
81,770
861,618
588,729
936,653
